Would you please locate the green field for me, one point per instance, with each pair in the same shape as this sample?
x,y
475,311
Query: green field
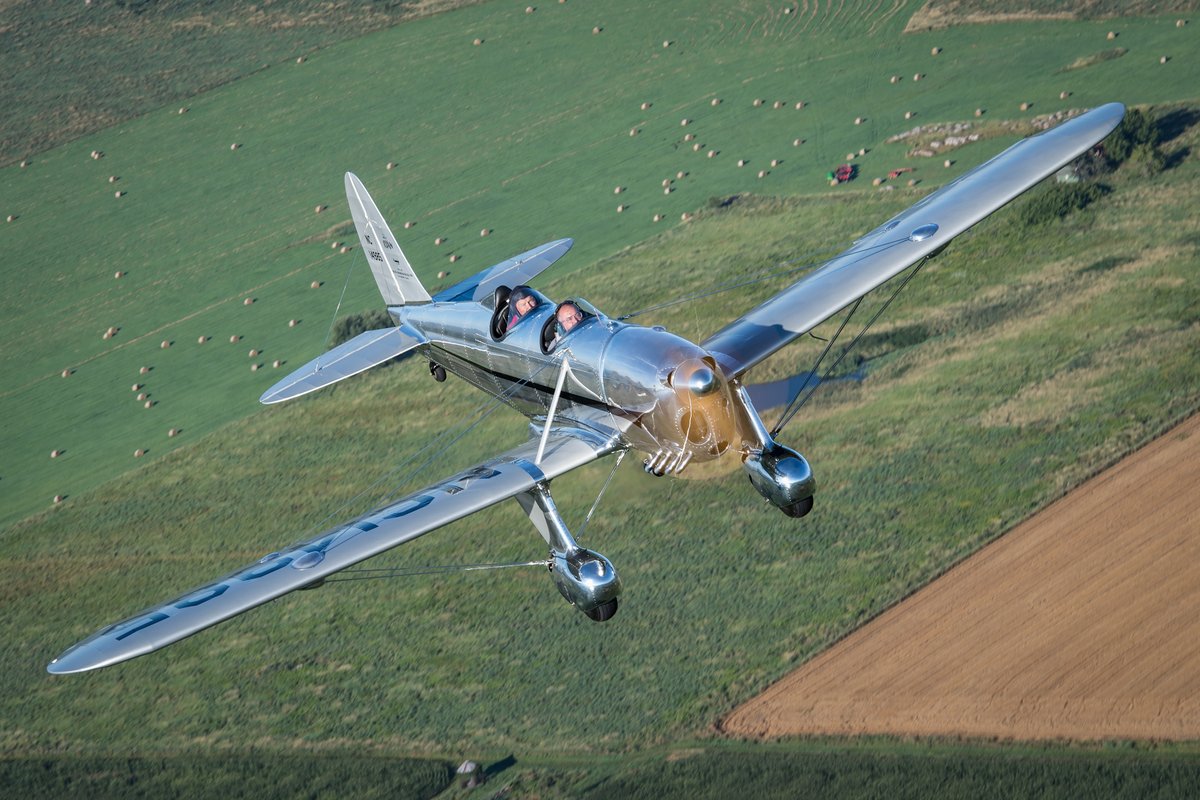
x,y
1021,361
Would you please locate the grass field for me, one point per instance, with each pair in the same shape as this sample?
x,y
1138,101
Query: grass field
x,y
1021,361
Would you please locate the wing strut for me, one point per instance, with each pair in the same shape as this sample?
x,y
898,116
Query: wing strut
x,y
801,398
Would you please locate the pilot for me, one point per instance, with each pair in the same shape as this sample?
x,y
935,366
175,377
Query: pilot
x,y
569,316
522,302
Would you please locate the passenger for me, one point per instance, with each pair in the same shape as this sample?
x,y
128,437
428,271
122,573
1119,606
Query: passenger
x,y
522,302
569,316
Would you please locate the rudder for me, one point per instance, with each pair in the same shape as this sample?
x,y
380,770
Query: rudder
x,y
397,282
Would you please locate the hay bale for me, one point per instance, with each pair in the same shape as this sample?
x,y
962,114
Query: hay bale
x,y
442,274
633,131
758,101
658,217
667,190
144,371
712,153
778,104
797,142
391,165
918,76
234,339
58,498
1063,95
685,217
24,164
596,30
877,181
696,147
935,51
716,101
320,208
66,373
833,182
453,257
645,106
142,397
849,156
477,41
529,9
254,367
55,453
249,301
979,112
118,275
684,122
862,151
1179,23
11,218
148,404
164,344
485,231
409,224
1163,59
1111,35
293,323
799,105
680,175
858,120
687,137
774,162
183,110
111,178
439,240
666,182
300,59
276,364
908,115
947,163
666,43
234,146
1024,106
202,340
315,285
912,181
620,208
762,173
137,387
741,162
118,193
173,433
253,353
894,79
335,245
618,189
344,249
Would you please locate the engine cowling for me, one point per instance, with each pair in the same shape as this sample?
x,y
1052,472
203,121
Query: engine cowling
x,y
588,581
784,477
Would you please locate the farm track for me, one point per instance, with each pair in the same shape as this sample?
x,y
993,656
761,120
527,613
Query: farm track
x,y
1081,623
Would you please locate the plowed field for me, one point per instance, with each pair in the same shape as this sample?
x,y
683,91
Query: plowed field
x,y
1081,623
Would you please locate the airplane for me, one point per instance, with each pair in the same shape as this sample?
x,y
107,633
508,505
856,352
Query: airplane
x,y
591,386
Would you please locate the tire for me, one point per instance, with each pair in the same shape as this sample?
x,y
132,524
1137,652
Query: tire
x,y
604,612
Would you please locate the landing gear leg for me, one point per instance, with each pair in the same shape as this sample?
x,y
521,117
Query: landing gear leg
x,y
437,371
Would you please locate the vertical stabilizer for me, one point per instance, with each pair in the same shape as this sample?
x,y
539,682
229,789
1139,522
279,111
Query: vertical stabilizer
x,y
396,280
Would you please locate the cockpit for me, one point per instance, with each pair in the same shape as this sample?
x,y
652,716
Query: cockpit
x,y
520,305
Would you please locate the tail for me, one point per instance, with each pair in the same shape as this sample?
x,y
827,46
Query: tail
x,y
397,282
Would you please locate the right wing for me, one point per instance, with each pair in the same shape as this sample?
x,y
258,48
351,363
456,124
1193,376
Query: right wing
x,y
305,564
905,239
515,271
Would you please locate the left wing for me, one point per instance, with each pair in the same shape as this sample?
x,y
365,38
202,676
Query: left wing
x,y
305,564
896,245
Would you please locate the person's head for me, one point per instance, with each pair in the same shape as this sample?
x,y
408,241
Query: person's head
x,y
569,316
524,302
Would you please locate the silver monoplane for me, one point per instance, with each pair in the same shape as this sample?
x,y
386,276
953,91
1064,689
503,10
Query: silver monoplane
x,y
590,385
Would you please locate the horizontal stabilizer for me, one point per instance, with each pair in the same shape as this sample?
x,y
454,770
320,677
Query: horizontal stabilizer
x,y
349,358
513,272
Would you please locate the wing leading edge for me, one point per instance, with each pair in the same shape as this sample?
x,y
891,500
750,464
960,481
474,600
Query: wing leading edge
x,y
302,565
905,239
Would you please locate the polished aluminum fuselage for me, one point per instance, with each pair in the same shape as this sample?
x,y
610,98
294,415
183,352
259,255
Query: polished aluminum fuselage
x,y
624,378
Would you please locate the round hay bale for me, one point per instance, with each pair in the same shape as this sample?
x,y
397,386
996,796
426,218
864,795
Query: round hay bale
x,y
979,112
249,301
741,162
477,41
762,173
55,453
148,404
529,9
142,397
1179,23
712,153
862,151
912,181
183,110
144,371
118,275
947,163
696,147
758,101
300,59
254,367
687,137
106,335
1164,59
918,76
833,182
778,104
139,453
442,274
908,115
453,257
234,339
485,231
293,323
112,178
391,165
774,162
66,373
202,340
234,146
849,156
409,224
344,249
680,175
596,30
716,101
321,208
1063,95
335,245
276,364
315,285
439,240
799,105
24,164
645,106
658,217
858,120
118,193
11,218
253,353
876,181
666,182
633,131
667,190
1111,35
894,79
173,433
137,387
620,208
797,142
935,51
112,330
164,344
618,189
1024,106
685,217
58,498
684,122
666,43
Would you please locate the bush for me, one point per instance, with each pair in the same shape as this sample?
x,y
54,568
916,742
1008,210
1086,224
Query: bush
x,y
1138,131
352,325
1058,201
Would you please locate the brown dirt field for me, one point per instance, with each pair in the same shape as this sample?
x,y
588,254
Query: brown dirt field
x,y
1081,623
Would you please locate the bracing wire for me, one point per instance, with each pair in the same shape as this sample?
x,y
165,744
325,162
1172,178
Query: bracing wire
x,y
800,399
367,574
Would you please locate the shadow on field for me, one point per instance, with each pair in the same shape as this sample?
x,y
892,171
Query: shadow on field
x,y
492,770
